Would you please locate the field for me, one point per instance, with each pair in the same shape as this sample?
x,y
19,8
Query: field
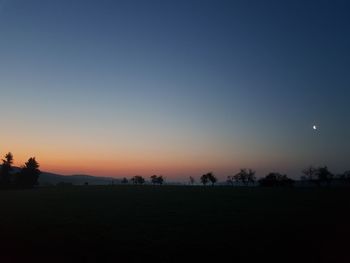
x,y
174,223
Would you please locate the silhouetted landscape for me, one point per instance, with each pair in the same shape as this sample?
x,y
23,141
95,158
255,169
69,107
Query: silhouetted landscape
x,y
129,220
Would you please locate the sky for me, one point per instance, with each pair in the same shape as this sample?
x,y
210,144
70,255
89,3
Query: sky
x,y
177,88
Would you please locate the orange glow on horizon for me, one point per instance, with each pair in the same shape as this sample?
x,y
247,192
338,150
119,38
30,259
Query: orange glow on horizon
x,y
68,156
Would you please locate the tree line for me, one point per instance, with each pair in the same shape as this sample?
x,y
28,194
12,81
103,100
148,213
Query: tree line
x,y
137,179
320,176
28,174
26,177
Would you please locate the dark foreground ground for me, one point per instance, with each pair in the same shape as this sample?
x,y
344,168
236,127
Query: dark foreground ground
x,y
174,224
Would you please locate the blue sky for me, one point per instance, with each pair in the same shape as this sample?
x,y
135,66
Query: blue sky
x,y
176,87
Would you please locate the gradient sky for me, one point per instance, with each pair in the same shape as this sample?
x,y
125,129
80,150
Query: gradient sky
x,y
179,88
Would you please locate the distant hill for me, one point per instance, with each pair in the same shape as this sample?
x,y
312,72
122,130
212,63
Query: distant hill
x,y
47,178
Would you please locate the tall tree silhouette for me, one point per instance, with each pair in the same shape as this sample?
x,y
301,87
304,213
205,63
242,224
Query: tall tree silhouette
x,y
6,168
29,174
192,181
212,178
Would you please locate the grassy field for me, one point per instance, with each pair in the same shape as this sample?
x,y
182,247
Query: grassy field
x,y
174,223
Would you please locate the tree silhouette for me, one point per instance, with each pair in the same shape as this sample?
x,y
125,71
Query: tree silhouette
x,y
250,177
124,181
157,179
208,177
245,176
6,168
29,174
212,178
160,180
309,173
137,179
192,181
276,179
318,176
324,175
204,179
237,178
154,179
